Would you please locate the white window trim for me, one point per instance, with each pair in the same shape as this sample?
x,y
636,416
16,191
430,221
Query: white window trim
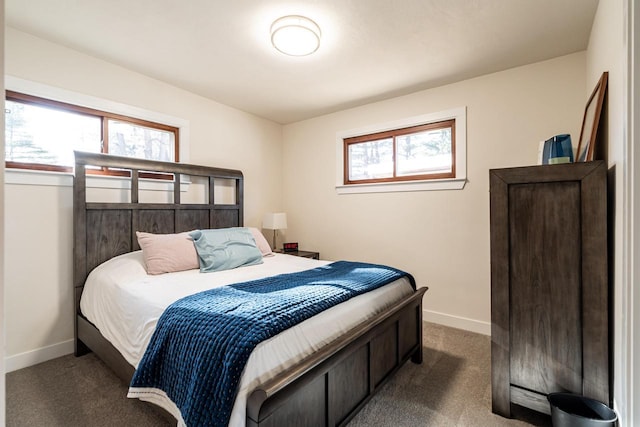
x,y
457,183
38,177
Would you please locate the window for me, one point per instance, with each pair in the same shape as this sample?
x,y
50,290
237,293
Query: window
x,y
414,153
419,153
42,134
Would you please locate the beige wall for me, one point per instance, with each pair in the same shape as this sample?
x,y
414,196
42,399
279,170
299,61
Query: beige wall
x,y
608,52
38,218
442,237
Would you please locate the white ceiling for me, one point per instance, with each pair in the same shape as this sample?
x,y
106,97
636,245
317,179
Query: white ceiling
x,y
370,50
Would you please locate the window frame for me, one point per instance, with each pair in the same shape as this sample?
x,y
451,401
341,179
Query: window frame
x,y
104,116
393,134
456,183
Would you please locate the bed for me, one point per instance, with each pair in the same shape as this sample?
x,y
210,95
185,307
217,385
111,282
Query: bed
x,y
325,386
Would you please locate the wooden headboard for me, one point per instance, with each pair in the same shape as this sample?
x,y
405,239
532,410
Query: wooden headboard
x,y
103,230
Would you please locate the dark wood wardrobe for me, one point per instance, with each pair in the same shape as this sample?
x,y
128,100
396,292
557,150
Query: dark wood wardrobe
x,y
549,284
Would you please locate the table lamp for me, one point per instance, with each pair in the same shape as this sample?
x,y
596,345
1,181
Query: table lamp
x,y
275,222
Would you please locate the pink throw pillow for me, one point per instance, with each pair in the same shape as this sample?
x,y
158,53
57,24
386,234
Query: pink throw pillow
x,y
167,253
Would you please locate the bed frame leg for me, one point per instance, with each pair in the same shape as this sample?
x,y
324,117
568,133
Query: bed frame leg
x,y
416,357
80,348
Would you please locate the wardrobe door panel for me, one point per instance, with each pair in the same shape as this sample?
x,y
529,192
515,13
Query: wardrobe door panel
x,y
544,242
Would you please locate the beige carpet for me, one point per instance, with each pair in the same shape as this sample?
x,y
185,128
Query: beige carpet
x,y
451,388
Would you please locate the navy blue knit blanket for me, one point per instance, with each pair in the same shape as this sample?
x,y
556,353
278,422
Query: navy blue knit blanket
x,y
202,342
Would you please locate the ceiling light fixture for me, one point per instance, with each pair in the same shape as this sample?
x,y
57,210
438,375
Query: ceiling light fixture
x,y
295,35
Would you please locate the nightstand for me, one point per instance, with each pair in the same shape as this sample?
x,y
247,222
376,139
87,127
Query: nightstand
x,y
304,254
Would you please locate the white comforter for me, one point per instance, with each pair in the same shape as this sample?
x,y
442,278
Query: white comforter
x,y
125,303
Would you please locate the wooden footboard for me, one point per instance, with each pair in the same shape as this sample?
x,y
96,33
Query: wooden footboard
x,y
330,386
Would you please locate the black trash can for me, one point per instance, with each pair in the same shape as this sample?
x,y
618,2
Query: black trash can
x,y
574,410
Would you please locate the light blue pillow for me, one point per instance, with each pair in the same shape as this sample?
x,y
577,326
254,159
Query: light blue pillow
x,y
225,248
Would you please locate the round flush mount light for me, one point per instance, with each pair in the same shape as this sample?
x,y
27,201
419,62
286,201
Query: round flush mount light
x,y
295,35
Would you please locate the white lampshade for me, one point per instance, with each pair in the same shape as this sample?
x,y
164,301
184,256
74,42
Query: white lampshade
x,y
274,221
295,35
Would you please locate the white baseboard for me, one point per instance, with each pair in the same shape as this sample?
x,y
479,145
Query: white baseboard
x,y
458,322
39,355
